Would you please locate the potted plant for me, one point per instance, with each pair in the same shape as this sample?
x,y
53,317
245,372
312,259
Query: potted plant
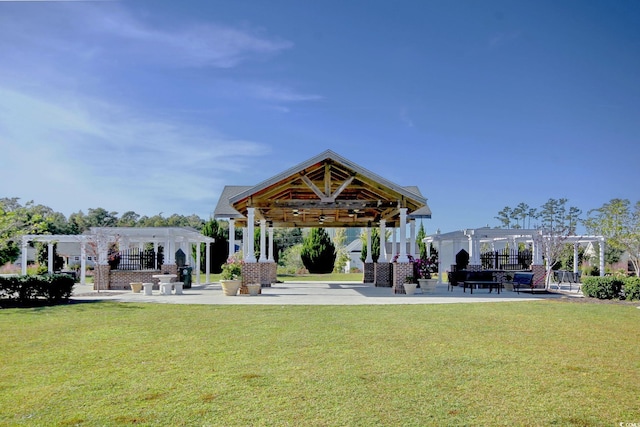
x,y
410,285
231,277
424,267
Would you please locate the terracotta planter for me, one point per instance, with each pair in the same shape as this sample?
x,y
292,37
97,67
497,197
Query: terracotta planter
x,y
136,287
230,287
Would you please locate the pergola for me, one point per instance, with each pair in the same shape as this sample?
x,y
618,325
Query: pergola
x,y
449,244
97,240
325,191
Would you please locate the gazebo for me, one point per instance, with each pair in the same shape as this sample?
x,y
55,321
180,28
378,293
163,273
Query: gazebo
x,y
97,242
325,191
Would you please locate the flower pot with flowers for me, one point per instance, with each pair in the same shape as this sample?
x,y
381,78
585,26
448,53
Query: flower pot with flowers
x,y
231,277
424,267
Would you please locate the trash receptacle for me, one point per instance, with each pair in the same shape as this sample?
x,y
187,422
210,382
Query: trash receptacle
x,y
185,276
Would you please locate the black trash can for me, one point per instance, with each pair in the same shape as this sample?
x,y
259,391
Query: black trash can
x,y
184,276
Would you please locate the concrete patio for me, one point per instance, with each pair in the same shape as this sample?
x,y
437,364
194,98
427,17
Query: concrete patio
x,y
318,293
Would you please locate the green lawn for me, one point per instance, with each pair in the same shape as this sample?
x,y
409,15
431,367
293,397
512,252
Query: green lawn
x,y
525,363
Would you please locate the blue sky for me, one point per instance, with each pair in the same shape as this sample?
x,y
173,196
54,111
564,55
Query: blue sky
x,y
153,106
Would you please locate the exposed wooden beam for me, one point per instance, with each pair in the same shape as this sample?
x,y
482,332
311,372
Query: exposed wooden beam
x,y
314,188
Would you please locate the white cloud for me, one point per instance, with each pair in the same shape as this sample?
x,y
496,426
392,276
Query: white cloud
x,y
86,29
66,153
282,94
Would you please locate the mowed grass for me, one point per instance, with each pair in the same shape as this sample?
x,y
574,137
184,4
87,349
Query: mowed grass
x,y
525,363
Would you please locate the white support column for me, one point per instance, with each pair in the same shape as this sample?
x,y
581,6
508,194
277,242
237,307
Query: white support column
x,y
412,234
270,258
263,240
602,248
172,252
83,262
207,266
383,242
25,248
198,247
369,257
402,257
474,252
155,258
251,217
245,241
232,238
537,249
50,257
394,247
575,257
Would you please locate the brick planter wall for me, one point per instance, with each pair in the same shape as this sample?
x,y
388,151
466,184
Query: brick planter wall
x,y
120,279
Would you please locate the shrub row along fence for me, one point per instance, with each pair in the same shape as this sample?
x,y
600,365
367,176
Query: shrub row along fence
x,y
611,287
34,290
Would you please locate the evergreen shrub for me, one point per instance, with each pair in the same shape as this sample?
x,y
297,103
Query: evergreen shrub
x,y
607,287
318,252
35,290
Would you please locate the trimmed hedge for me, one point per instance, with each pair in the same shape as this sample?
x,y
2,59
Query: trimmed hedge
x,y
610,287
34,290
632,288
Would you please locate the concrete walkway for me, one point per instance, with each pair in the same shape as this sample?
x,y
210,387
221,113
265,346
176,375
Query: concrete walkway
x,y
315,293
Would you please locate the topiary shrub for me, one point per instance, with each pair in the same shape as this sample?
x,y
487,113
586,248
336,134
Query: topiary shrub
x,y
318,252
602,287
632,288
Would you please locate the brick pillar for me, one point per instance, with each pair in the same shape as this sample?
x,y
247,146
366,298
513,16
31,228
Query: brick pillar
x,y
539,274
273,269
383,274
101,275
400,272
250,274
266,274
369,272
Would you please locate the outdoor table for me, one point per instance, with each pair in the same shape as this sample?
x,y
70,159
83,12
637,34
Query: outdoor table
x,y
473,283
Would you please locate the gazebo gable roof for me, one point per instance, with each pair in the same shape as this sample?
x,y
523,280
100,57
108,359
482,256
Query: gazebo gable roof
x,y
326,190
